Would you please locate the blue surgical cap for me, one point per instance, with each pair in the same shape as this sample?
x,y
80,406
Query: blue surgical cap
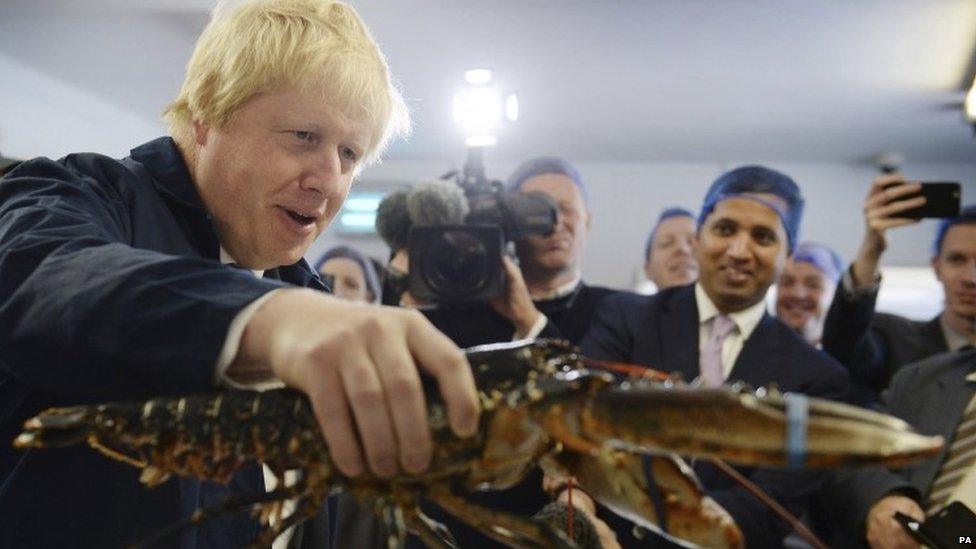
x,y
369,272
822,257
745,182
967,216
668,213
544,165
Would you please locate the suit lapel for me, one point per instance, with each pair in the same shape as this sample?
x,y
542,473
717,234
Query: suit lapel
x,y
753,365
678,333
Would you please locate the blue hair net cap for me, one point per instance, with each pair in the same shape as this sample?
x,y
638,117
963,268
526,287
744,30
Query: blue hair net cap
x,y
747,181
668,213
545,165
822,257
369,273
967,215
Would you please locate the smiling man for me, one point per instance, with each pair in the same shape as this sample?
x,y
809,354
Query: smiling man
x,y
805,288
113,287
668,254
718,330
873,345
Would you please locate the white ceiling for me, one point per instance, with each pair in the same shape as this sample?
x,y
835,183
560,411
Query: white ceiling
x,y
598,80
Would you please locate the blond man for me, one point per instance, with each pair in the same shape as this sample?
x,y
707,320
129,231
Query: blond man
x,y
114,283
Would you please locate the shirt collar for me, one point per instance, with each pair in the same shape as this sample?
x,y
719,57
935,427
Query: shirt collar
x,y
226,259
745,320
561,291
954,340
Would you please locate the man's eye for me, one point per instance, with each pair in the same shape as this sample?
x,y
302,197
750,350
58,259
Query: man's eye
x,y
723,229
301,135
765,238
350,154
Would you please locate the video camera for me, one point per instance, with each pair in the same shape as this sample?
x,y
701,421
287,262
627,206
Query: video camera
x,y
462,263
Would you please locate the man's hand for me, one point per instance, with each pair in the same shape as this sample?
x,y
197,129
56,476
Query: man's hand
x,y
883,531
885,199
358,366
516,304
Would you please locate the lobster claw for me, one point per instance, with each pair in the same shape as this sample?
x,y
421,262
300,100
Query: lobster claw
x,y
660,493
763,428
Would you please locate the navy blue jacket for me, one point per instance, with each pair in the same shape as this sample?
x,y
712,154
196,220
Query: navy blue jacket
x,y
111,289
661,332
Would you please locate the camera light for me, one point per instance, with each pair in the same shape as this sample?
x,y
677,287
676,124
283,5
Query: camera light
x,y
481,140
478,77
477,109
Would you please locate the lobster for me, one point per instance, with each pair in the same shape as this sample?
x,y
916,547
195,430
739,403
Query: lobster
x,y
543,404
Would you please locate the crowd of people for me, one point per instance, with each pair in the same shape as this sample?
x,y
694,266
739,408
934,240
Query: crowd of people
x,y
180,269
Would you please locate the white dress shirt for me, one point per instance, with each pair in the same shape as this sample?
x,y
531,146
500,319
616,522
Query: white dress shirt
x,y
227,353
745,321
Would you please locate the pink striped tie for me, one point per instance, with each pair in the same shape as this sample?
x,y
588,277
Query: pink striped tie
x,y
712,372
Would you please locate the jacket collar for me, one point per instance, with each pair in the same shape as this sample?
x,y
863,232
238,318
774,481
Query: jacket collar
x,y
168,171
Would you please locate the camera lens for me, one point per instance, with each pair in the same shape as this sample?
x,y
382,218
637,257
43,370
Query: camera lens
x,y
456,264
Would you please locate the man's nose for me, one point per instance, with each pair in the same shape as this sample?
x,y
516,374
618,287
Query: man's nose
x,y
323,174
739,246
969,275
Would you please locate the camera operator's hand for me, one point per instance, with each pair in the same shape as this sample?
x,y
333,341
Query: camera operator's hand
x,y
358,366
886,198
883,531
516,303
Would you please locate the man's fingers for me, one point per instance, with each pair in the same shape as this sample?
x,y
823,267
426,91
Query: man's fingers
x,y
898,206
439,357
366,399
886,181
332,412
405,400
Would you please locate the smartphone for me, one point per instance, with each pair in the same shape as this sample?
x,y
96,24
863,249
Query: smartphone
x,y
941,200
947,528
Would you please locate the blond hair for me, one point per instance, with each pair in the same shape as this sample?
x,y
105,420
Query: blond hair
x,y
263,45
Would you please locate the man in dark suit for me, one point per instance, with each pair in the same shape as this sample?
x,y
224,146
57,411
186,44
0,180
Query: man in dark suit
x,y
112,286
718,329
874,345
932,395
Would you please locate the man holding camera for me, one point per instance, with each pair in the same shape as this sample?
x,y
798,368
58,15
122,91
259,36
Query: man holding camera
x,y
873,346
718,330
550,264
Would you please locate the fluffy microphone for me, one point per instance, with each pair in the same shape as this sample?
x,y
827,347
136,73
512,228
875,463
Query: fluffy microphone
x,y
393,220
434,203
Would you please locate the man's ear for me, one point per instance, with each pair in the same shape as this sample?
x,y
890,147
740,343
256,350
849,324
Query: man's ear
x,y
588,219
200,132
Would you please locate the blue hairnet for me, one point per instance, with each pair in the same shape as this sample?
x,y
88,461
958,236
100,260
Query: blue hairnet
x,y
668,213
744,182
369,273
544,165
822,257
967,215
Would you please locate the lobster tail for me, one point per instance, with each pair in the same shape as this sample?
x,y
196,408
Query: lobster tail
x,y
55,428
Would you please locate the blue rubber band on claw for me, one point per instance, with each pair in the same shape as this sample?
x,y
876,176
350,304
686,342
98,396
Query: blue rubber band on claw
x,y
797,413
